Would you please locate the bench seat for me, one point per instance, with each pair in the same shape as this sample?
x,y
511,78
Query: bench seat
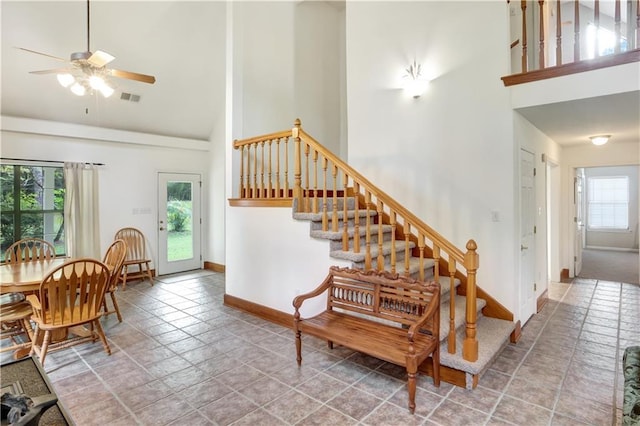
x,y
387,316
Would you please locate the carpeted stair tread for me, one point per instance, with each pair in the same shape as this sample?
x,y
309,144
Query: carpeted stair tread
x,y
335,236
317,217
460,305
360,257
492,335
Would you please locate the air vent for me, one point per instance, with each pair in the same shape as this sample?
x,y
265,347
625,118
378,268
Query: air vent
x,y
129,97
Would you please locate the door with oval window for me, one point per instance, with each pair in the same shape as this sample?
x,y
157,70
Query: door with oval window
x,y
179,222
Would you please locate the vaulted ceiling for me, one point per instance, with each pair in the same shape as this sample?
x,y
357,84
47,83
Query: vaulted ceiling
x,y
180,43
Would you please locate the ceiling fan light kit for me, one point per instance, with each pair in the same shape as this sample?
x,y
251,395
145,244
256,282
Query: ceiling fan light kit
x,y
88,72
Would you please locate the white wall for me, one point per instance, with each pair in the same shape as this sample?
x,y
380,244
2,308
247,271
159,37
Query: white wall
x,y
448,156
127,181
286,65
319,65
272,271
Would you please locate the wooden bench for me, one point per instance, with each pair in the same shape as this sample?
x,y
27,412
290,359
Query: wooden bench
x,y
384,315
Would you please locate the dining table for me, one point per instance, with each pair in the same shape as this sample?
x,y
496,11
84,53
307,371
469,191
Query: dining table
x,y
25,277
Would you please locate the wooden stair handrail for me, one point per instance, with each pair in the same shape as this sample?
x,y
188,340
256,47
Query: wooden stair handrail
x,y
305,193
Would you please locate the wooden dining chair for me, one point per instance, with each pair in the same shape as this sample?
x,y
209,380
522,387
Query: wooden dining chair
x,y
71,295
136,256
15,314
114,258
29,249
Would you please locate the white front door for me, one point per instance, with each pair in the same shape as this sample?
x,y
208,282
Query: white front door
x,y
178,222
527,237
578,219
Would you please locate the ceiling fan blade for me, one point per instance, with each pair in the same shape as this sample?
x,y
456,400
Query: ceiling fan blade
x,y
53,71
100,59
43,54
133,76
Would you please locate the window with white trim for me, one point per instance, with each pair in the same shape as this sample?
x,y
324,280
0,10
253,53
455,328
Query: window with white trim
x,y
608,203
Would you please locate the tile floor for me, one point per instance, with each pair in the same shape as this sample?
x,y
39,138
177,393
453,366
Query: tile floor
x,y
181,357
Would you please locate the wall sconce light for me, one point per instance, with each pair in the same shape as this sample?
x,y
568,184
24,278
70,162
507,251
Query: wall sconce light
x,y
600,139
414,84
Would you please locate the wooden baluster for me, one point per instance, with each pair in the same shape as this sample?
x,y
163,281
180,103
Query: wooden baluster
x,y
596,22
367,233
334,216
523,6
325,214
558,34
451,338
241,192
380,236
541,47
315,181
251,177
270,175
286,168
576,31
470,344
356,225
297,173
617,27
305,190
421,246
407,251
278,195
345,219
436,266
393,223
254,190
261,169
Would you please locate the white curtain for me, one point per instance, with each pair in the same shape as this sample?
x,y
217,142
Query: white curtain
x,y
81,215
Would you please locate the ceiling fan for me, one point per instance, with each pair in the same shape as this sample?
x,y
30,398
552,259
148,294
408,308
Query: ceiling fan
x,y
88,71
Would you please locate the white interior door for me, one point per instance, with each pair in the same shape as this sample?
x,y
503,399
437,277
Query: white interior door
x,y
527,237
578,219
179,222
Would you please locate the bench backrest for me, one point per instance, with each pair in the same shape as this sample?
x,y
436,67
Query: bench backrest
x,y
387,296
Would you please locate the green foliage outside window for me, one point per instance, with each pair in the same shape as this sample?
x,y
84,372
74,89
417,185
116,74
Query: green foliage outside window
x,y
31,204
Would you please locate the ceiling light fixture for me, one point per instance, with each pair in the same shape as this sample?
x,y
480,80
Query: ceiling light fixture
x,y
600,139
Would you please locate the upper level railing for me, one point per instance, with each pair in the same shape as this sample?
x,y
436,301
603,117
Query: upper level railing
x,y
291,165
555,37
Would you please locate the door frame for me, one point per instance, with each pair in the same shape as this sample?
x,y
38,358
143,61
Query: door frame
x,y
196,262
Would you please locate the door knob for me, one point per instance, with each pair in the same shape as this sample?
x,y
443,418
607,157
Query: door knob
x,y
523,247
161,228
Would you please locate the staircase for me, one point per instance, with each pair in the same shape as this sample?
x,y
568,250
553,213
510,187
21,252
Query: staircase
x,y
365,226
493,333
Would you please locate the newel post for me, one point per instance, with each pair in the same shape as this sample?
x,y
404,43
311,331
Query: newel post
x,y
297,171
470,344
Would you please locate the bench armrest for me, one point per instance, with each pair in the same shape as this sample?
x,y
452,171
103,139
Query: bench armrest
x,y
432,310
297,301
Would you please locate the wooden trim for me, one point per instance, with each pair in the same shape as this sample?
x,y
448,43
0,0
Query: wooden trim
x,y
216,267
573,68
564,275
449,375
542,300
516,333
261,202
264,312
